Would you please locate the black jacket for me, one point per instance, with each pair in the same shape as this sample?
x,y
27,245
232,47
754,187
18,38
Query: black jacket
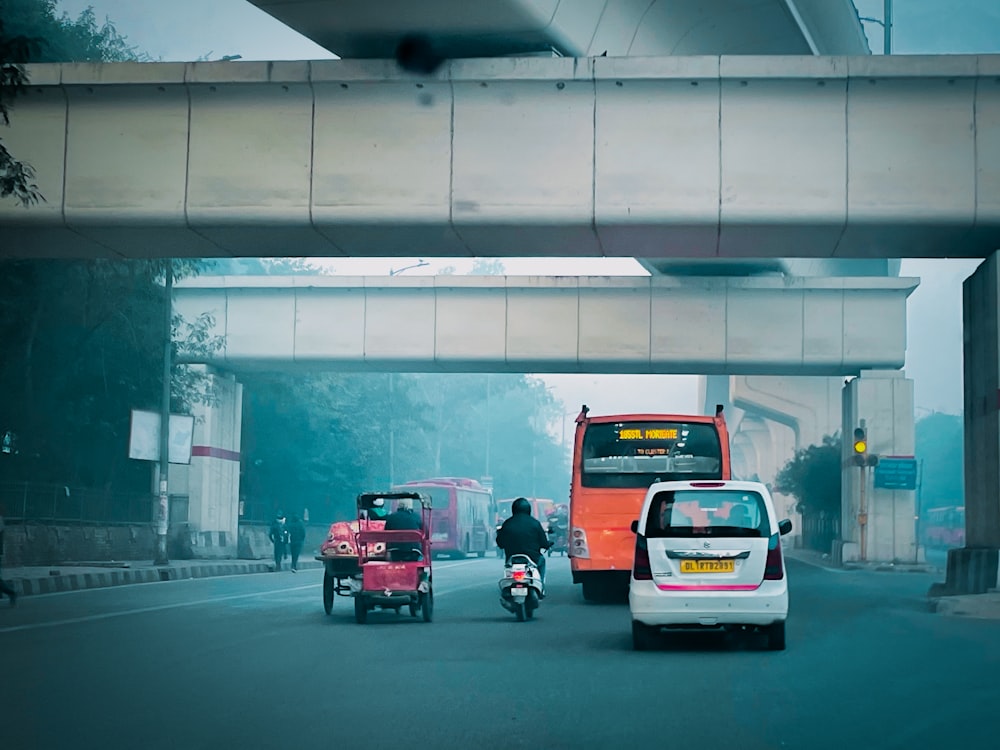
x,y
521,534
403,519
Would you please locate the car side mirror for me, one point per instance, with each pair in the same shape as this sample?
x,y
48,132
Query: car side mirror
x,y
635,527
784,527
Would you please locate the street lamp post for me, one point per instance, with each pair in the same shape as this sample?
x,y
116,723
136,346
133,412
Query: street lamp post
x,y
886,23
419,264
392,389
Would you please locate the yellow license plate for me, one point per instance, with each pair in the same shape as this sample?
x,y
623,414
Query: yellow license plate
x,y
708,566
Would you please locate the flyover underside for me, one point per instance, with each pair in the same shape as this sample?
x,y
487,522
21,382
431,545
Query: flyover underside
x,y
458,28
802,326
704,157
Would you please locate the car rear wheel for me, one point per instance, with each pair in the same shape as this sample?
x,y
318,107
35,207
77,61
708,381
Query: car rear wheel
x,y
642,636
776,636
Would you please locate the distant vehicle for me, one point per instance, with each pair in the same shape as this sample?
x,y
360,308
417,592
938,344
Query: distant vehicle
x,y
707,555
463,513
944,527
615,459
540,508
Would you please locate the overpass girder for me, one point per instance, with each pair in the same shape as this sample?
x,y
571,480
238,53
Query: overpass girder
x,y
704,157
804,326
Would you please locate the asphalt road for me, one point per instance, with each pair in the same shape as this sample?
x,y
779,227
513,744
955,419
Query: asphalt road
x,y
253,662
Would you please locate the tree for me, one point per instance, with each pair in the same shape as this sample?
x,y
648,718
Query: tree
x,y
32,31
812,477
940,448
16,177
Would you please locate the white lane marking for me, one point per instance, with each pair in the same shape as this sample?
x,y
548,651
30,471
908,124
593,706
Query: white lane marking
x,y
49,594
214,599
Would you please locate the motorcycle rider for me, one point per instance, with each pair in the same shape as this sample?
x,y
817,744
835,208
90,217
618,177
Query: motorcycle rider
x,y
558,522
522,534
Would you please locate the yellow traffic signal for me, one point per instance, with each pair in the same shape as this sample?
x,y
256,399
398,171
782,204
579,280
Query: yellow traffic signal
x,y
860,441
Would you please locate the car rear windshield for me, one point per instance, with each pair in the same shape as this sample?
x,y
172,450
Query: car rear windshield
x,y
691,513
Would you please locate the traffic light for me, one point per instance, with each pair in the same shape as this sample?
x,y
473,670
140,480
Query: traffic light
x,y
860,446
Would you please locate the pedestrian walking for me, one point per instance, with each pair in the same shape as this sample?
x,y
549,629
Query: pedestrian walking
x,y
279,537
4,588
296,538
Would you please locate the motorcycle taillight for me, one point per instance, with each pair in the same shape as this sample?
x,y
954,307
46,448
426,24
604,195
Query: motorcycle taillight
x,y
518,575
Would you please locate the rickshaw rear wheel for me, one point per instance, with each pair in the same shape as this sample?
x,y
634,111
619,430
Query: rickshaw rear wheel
x,y
360,610
427,605
329,583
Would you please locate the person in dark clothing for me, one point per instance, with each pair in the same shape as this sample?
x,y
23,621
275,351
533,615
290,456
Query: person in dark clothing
x,y
403,519
279,537
4,588
522,534
296,538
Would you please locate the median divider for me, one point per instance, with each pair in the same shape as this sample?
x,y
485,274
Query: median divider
x,y
48,579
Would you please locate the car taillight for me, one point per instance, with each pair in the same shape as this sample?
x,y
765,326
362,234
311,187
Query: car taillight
x,y
518,575
641,570
773,569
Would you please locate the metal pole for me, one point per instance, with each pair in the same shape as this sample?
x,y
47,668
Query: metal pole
x,y
163,503
863,516
392,429
887,28
487,472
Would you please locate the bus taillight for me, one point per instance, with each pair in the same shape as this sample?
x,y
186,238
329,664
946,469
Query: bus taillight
x,y
578,543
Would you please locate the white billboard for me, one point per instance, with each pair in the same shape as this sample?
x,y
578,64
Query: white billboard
x,y
144,437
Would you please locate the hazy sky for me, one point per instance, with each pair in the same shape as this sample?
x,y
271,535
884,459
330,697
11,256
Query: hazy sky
x,y
209,29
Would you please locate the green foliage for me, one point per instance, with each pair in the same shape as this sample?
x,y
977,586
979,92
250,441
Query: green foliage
x,y
83,346
62,39
260,267
315,441
32,31
812,477
16,177
940,448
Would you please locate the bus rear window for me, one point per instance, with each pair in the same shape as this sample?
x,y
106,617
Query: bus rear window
x,y
636,454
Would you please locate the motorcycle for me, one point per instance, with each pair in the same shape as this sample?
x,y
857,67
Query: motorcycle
x,y
560,538
521,587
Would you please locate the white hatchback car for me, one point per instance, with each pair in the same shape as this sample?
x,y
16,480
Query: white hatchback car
x,y
708,555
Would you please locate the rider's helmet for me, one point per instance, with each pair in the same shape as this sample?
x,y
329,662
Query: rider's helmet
x,y
521,505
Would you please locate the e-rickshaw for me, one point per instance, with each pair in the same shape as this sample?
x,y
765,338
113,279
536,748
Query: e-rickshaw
x,y
339,553
395,565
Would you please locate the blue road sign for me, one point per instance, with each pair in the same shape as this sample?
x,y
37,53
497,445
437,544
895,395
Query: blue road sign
x,y
896,474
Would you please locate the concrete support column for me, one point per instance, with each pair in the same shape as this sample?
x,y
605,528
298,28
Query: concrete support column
x,y
884,400
974,569
212,480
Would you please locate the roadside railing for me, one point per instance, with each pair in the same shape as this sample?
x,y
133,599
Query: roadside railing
x,y
30,502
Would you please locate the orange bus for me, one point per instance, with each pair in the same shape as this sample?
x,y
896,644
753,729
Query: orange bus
x,y
615,459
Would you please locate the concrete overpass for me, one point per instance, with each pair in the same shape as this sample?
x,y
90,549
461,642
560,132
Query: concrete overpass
x,y
702,158
805,326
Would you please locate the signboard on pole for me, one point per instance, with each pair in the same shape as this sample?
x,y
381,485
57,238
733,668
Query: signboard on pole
x,y
144,437
896,473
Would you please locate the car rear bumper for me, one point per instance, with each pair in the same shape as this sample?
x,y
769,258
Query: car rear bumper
x,y
762,606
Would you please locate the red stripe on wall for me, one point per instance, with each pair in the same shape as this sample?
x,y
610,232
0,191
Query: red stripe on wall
x,y
208,451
